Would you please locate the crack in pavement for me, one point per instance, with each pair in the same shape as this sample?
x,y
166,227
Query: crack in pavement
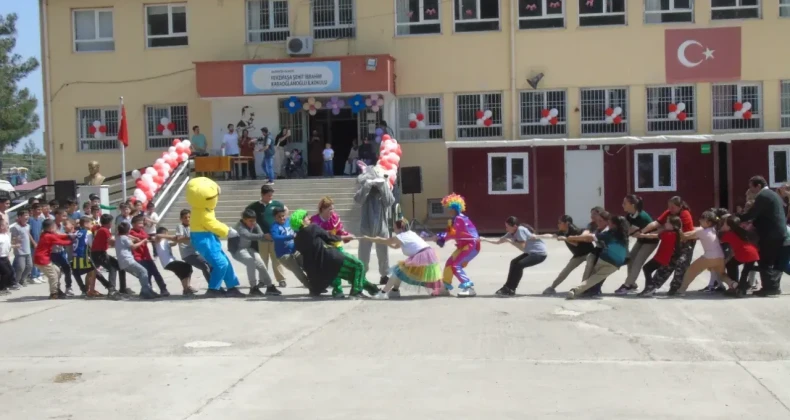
x,y
32,313
776,397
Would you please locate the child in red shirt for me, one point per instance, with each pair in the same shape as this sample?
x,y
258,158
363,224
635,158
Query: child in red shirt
x,y
102,240
43,260
143,255
744,252
664,261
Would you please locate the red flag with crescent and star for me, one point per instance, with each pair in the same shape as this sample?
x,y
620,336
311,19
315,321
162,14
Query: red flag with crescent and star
x,y
123,128
702,55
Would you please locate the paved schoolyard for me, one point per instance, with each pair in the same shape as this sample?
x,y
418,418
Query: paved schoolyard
x,y
416,358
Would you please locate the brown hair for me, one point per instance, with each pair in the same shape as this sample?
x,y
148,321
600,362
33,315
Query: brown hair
x,y
324,203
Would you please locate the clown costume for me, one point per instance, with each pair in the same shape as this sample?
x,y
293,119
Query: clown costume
x,y
467,243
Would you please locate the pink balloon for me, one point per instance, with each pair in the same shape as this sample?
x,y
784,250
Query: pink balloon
x,y
398,151
149,194
385,137
176,142
183,157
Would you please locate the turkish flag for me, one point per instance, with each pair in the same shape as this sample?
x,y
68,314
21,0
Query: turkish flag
x,y
123,128
702,55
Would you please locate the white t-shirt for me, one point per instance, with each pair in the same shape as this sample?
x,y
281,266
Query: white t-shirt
x,y
5,244
411,243
150,228
164,252
231,143
329,154
710,243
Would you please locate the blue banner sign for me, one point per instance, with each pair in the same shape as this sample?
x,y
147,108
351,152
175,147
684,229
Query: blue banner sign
x,y
290,78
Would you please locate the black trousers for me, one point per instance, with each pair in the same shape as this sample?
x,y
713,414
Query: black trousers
x,y
150,266
109,263
6,273
248,168
733,266
78,276
773,259
517,266
656,274
61,260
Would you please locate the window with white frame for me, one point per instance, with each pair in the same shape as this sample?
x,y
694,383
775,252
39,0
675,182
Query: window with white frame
x,y
436,210
785,104
541,14
778,165
166,25
543,113
604,111
163,123
97,129
476,15
479,115
420,118
267,21
655,170
784,8
601,12
93,30
734,9
671,109
669,11
737,107
333,19
417,17
508,173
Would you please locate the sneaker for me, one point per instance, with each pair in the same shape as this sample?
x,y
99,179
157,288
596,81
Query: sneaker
x,y
719,289
148,295
505,292
211,293
383,280
129,292
282,283
706,289
272,291
114,295
381,296
571,294
255,291
234,292
15,287
440,292
69,292
4,292
61,295
39,280
338,294
767,293
672,291
468,292
164,293
188,292
357,294
550,291
626,289
94,294
394,293
647,293
592,293
54,296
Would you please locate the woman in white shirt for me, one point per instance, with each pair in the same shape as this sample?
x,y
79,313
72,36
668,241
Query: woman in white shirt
x,y
421,268
712,258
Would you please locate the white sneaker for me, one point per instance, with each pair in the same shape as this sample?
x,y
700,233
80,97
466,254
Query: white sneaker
x,y
381,296
394,293
571,294
39,280
468,292
69,292
549,291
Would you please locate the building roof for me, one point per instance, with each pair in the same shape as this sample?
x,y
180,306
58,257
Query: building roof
x,y
31,185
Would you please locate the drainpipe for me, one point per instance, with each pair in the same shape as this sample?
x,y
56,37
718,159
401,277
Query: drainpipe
x,y
513,102
42,5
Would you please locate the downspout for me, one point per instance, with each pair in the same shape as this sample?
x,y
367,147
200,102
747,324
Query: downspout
x,y
42,5
513,102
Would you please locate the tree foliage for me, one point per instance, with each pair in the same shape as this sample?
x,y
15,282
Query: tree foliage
x,y
18,118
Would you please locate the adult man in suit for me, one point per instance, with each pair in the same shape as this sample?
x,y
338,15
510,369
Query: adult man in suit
x,y
768,218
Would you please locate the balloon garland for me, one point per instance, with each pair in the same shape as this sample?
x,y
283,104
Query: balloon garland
x,y
484,118
151,179
416,120
742,110
389,159
97,129
677,111
614,115
312,106
549,116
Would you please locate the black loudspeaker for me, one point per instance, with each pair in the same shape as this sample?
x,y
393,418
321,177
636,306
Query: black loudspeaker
x,y
65,190
411,180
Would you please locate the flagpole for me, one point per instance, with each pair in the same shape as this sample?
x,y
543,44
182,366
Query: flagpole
x,y
123,159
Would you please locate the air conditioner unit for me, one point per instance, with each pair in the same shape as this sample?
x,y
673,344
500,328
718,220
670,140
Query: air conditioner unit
x,y
299,45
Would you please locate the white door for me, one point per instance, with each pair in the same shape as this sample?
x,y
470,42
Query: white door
x,y
583,183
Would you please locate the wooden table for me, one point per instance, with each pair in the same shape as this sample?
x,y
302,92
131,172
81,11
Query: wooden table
x,y
224,164
238,161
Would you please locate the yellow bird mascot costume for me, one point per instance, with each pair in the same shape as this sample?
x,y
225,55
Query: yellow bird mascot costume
x,y
205,231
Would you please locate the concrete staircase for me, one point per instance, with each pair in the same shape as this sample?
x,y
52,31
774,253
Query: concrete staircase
x,y
294,193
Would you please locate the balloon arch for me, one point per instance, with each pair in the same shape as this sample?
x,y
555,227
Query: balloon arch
x,y
151,179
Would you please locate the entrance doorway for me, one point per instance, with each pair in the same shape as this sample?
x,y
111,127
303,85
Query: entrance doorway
x,y
583,183
340,130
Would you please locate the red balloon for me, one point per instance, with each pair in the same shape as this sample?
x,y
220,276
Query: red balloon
x,y
488,122
159,179
398,151
480,114
188,151
672,107
682,116
160,128
609,112
176,142
737,106
412,124
171,126
747,115
420,116
149,194
91,129
385,137
102,129
618,119
554,120
545,113
386,164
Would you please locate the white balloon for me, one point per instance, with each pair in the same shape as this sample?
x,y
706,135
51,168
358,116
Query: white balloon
x,y
186,143
609,119
173,155
554,112
673,115
746,106
618,111
368,102
480,121
375,108
151,171
312,112
167,132
488,114
306,106
171,149
139,195
738,114
164,121
318,104
544,121
98,134
136,174
184,157
97,124
159,161
147,178
681,107
412,116
380,102
421,124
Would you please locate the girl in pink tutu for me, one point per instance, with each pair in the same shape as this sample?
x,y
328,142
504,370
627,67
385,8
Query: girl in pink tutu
x,y
421,267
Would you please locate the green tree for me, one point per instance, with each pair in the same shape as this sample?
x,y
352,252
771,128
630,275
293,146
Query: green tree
x,y
30,148
18,118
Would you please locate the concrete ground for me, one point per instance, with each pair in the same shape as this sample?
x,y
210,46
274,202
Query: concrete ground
x,y
700,357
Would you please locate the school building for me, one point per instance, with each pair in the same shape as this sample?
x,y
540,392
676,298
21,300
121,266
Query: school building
x,y
531,108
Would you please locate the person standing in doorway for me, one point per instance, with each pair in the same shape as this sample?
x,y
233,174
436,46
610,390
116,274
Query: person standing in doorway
x,y
329,156
366,153
230,145
247,148
268,154
353,157
264,214
198,145
280,141
315,156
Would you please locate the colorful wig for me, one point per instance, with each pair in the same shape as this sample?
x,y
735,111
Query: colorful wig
x,y
297,219
455,202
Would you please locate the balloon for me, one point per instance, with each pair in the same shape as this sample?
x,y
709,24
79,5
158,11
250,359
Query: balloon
x,y
747,106
150,170
480,122
386,164
379,132
173,155
171,149
682,116
312,112
747,115
737,106
479,115
149,195
545,113
413,124
159,180
609,119
544,121
375,108
176,142
159,161
738,114
618,111
609,112
554,112
673,115
386,137
139,194
183,158
420,116
421,124
136,174
147,177
398,151
412,116
378,139
617,120
488,122
488,113
187,143
390,147
188,152
672,108
681,107
394,158
554,120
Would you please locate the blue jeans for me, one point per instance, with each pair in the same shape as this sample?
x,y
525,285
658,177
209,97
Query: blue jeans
x,y
329,169
268,167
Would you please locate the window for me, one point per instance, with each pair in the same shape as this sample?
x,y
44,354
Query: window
x,y
543,113
507,173
267,21
479,115
671,109
97,129
737,107
779,165
604,111
540,14
333,19
436,210
476,15
417,17
601,12
734,9
167,25
163,124
669,11
784,8
93,30
655,170
420,118
785,104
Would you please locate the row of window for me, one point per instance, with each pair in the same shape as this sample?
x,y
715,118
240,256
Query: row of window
x,y
267,20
